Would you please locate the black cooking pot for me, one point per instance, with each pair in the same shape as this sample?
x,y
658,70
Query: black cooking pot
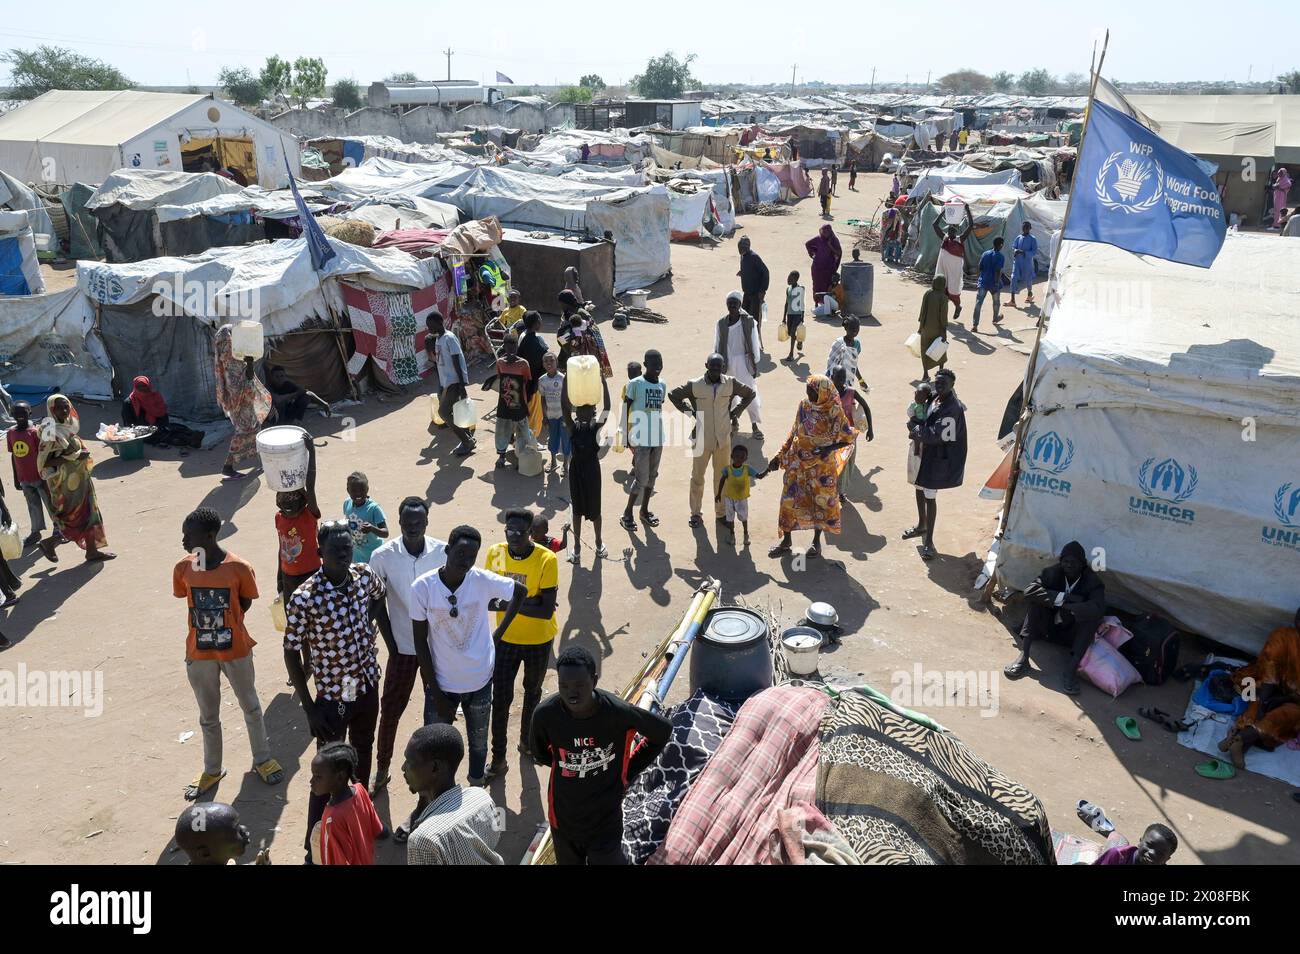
x,y
730,658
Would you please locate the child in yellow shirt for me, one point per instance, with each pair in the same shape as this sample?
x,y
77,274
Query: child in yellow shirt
x,y
733,490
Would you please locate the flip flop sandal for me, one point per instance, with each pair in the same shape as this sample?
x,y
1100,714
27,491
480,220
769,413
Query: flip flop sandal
x,y
812,553
401,833
628,525
696,521
927,553
270,772
203,784
912,533
650,520
1129,726
778,551
1164,719
1093,816
1016,670
1216,768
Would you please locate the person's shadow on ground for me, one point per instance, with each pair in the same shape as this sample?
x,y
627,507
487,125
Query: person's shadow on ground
x,y
583,624
44,591
260,806
648,565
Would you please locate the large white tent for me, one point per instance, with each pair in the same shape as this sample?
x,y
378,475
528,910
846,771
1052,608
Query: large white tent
x,y
68,136
1166,431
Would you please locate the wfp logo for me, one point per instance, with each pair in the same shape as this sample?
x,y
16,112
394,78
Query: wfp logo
x,y
1285,504
1136,179
1168,480
1049,454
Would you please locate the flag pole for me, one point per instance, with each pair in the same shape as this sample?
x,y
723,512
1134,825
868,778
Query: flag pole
x,y
1027,413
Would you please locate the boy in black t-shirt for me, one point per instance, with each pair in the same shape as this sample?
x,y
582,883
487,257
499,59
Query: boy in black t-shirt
x,y
588,737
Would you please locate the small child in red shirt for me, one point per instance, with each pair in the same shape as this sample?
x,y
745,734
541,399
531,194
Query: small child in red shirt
x,y
346,832
295,528
542,537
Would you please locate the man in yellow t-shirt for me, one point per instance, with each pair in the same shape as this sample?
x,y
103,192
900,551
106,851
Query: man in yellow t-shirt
x,y
527,641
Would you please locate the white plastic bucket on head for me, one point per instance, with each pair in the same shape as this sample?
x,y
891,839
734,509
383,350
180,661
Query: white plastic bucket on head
x,y
246,340
637,298
582,378
284,457
954,212
938,348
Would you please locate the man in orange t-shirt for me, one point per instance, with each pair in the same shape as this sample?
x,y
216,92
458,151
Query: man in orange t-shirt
x,y
219,588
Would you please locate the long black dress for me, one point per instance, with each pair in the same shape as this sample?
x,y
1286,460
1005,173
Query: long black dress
x,y
584,470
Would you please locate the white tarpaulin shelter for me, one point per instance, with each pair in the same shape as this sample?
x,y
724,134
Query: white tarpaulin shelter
x,y
959,173
46,343
275,282
20,272
69,136
1166,430
637,217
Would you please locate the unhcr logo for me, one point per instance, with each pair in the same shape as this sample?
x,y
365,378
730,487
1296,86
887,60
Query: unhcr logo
x,y
1286,508
1165,486
1045,458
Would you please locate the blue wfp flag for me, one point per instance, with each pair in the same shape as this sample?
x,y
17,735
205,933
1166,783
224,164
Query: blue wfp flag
x,y
1137,192
317,242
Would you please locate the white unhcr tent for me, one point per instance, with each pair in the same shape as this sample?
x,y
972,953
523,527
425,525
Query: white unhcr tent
x,y
1166,430
69,136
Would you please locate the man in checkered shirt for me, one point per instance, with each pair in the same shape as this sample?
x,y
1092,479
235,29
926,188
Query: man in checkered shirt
x,y
459,826
331,615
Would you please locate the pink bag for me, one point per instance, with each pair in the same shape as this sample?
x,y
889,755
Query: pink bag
x,y
1113,631
1107,669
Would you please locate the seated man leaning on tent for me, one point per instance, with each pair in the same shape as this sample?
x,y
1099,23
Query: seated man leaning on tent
x,y
1066,603
289,400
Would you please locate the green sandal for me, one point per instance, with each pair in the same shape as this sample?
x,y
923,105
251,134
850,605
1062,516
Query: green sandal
x,y
1129,726
1216,768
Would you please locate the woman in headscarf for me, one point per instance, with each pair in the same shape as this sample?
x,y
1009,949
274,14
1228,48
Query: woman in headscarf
x,y
813,456
1273,717
1281,186
145,405
577,333
64,465
933,323
243,398
825,252
951,263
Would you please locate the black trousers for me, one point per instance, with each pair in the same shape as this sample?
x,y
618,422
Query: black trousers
x,y
601,850
1075,630
509,658
353,722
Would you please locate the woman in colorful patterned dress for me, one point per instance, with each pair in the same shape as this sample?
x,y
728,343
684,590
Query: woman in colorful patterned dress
x,y
64,465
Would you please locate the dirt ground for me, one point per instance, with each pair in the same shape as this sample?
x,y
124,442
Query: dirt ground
x,y
107,790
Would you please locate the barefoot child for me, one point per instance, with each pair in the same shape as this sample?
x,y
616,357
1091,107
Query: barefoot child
x,y
733,490
794,296
365,518
346,832
551,386
584,469
542,535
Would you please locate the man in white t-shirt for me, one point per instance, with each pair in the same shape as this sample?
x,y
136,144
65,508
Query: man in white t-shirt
x,y
453,377
455,643
399,563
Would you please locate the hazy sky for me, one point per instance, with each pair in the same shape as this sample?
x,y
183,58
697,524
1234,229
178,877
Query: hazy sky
x,y
544,42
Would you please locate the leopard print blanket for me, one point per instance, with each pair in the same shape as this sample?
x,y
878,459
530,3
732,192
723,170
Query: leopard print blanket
x,y
901,792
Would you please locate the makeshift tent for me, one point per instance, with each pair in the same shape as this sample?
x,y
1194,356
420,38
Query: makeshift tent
x,y
717,145
125,207
47,344
15,195
690,206
20,272
345,152
793,177
157,316
638,218
1166,430
1283,111
1233,147
994,218
721,181
959,173
68,136
83,228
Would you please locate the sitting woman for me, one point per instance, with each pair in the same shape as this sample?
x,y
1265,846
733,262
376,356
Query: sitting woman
x,y
64,464
288,399
145,405
1273,718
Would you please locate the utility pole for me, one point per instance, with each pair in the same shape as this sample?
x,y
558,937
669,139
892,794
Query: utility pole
x,y
792,69
448,53
873,79
927,81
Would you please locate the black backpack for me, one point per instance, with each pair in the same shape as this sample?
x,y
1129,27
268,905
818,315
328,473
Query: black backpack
x,y
1153,650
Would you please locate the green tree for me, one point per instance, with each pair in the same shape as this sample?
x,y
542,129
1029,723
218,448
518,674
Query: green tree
x,y
1075,83
966,81
665,77
1002,81
573,94
1037,82
592,82
406,76
347,94
308,79
1291,81
241,86
276,76
33,72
